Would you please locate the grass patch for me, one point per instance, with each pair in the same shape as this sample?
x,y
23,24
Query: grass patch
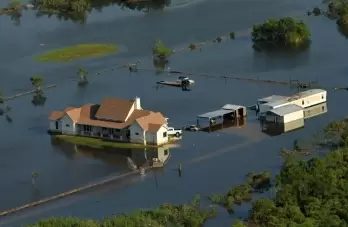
x,y
97,143
77,52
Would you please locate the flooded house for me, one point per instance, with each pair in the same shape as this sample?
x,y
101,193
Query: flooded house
x,y
303,99
114,119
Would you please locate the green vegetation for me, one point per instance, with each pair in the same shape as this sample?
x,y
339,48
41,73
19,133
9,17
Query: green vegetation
x,y
39,99
285,32
34,175
161,51
192,46
97,143
14,3
78,10
310,193
82,74
232,35
239,224
243,192
77,52
188,215
259,181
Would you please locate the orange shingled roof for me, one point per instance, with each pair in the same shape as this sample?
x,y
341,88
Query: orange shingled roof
x,y
152,121
148,120
114,109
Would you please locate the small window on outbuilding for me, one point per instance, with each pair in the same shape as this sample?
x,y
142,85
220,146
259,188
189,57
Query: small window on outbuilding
x,y
322,96
137,133
302,102
67,125
165,134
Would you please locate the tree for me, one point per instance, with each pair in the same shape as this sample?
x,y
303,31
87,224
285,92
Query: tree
x,y
37,82
34,175
161,51
239,223
285,32
39,98
82,74
1,98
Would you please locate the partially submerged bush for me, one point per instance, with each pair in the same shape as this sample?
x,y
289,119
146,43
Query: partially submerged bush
x,y
192,46
285,32
160,50
235,195
218,39
232,35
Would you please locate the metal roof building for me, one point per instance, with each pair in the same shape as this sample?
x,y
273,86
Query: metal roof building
x,y
285,114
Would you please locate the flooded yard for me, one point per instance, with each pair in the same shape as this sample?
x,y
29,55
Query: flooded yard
x,y
211,161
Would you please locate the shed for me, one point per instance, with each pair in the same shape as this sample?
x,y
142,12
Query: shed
x,y
239,111
285,114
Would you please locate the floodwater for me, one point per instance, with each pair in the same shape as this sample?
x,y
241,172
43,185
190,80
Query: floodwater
x,y
211,162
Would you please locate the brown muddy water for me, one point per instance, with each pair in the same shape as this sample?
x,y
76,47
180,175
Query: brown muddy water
x,y
211,162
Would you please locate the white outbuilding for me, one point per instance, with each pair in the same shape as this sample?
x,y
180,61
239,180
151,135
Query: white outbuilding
x,y
285,114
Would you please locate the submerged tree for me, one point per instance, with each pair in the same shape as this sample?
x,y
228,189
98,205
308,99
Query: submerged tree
x,y
82,74
285,32
161,51
37,82
34,175
39,97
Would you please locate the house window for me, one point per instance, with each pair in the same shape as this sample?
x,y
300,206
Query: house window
x,y
117,130
322,97
323,108
57,125
302,102
165,134
165,152
104,128
87,128
137,133
67,125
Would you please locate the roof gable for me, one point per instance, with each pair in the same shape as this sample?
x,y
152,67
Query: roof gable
x,y
114,109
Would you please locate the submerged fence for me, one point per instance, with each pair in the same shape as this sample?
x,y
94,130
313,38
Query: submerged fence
x,y
65,194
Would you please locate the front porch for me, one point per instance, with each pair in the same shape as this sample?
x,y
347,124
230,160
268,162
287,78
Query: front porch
x,y
122,135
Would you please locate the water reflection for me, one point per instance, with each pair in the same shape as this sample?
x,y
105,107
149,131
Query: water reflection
x,y
78,11
275,129
123,158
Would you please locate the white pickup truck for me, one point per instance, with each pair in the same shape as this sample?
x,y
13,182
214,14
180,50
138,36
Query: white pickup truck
x,y
174,132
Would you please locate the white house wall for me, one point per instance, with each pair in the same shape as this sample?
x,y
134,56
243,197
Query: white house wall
x,y
52,126
293,116
160,138
293,125
311,100
137,134
68,126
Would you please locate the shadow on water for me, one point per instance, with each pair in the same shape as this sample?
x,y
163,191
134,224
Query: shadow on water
x,y
124,158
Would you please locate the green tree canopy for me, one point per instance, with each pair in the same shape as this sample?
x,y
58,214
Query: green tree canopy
x,y
285,32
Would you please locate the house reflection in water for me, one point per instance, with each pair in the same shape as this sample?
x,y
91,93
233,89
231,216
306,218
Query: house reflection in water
x,y
315,110
274,129
123,158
